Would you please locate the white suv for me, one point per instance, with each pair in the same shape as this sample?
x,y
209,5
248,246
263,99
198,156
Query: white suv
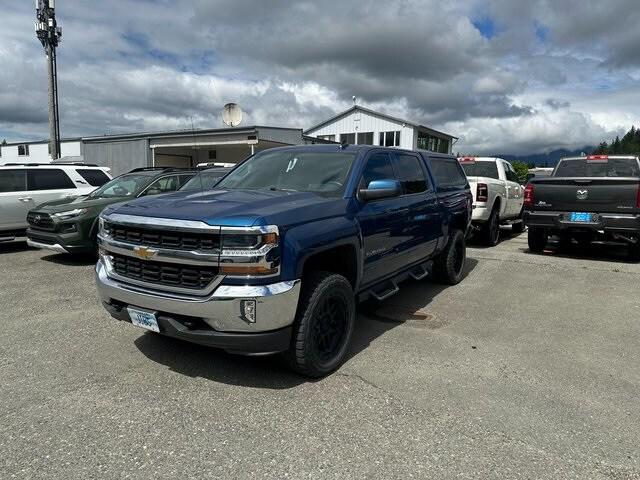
x,y
25,186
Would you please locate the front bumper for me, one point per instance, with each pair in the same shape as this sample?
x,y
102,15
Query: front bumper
x,y
73,242
605,222
216,319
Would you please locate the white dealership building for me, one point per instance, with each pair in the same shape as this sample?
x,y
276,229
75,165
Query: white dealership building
x,y
363,126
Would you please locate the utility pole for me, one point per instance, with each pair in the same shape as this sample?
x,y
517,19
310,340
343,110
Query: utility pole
x,y
49,34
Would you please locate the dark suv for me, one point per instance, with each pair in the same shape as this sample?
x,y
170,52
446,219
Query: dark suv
x,y
71,226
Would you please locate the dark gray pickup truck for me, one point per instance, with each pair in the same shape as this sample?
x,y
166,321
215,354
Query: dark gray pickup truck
x,y
586,199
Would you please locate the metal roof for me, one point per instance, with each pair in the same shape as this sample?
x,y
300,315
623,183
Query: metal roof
x,y
252,129
377,114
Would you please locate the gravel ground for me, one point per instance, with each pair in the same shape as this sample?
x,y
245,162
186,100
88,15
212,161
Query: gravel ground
x,y
527,369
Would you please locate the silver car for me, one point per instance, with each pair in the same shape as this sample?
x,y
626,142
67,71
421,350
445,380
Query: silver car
x,y
25,186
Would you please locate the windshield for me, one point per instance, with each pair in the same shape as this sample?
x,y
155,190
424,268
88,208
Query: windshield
x,y
204,181
613,167
310,171
123,186
481,169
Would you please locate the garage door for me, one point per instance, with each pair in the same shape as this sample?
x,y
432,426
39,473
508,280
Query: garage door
x,y
178,161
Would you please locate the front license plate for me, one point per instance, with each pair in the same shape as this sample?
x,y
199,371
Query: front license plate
x,y
580,217
146,320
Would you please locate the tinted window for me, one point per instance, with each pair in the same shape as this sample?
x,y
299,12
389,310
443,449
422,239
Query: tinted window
x,y
378,168
304,171
95,178
349,138
163,185
365,138
510,172
123,186
204,181
12,181
411,174
613,167
448,172
48,179
481,169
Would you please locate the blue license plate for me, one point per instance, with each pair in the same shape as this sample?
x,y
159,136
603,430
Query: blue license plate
x,y
580,217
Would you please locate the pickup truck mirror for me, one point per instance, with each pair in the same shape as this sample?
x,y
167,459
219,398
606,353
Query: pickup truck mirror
x,y
380,189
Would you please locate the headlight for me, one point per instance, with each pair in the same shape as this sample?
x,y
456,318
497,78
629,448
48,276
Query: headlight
x,y
251,251
70,213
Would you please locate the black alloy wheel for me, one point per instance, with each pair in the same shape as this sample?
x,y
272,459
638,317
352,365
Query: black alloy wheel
x,y
330,321
324,324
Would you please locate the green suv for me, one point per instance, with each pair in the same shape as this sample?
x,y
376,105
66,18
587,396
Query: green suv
x,y
71,226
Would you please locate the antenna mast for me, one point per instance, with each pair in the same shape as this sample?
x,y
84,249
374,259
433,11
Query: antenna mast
x,y
49,34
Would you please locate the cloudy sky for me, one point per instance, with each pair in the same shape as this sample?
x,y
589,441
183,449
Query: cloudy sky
x,y
506,76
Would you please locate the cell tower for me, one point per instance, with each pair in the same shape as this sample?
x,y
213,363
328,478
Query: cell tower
x,y
49,34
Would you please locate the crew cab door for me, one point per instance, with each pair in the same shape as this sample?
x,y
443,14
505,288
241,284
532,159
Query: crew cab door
x,y
382,222
515,192
421,228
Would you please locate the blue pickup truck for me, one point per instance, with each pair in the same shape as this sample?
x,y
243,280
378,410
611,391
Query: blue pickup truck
x,y
276,258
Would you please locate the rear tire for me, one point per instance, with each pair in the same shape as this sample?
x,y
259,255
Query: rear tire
x,y
518,227
491,229
324,325
448,266
537,239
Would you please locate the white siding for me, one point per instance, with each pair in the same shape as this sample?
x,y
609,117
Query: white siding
x,y
358,121
38,152
70,149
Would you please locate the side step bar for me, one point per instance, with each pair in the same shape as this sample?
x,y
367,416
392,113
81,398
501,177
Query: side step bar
x,y
419,272
390,288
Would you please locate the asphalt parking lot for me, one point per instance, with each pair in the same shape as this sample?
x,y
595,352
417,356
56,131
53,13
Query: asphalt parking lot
x,y
527,369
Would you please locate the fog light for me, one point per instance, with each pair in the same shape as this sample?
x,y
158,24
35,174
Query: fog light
x,y
248,310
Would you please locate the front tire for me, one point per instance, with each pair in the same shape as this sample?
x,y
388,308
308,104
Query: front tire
x,y
448,266
537,239
324,325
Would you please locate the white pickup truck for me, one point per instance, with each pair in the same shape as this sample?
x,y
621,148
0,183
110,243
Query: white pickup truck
x,y
497,196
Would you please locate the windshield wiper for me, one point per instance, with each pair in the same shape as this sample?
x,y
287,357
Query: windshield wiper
x,y
277,189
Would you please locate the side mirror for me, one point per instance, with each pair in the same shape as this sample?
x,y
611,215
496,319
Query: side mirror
x,y
380,189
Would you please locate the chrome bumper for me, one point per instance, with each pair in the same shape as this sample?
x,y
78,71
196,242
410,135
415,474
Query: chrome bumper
x,y
276,304
45,246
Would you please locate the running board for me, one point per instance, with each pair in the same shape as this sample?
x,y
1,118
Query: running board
x,y
419,272
391,288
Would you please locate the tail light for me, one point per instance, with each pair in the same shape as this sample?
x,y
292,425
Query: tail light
x,y
482,193
529,195
638,198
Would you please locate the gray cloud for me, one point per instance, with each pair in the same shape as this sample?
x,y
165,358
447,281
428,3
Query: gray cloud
x,y
129,65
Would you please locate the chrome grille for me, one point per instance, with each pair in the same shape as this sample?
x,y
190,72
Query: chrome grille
x,y
176,240
41,221
165,274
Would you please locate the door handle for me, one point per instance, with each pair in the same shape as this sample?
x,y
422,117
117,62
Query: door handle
x,y
25,199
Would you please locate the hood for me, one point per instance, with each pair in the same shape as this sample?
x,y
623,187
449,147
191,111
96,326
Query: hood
x,y
237,207
63,205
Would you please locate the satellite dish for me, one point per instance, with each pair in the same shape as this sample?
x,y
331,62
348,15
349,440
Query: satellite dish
x,y
232,114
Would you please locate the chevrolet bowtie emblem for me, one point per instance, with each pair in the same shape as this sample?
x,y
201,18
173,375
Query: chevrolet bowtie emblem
x,y
145,253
